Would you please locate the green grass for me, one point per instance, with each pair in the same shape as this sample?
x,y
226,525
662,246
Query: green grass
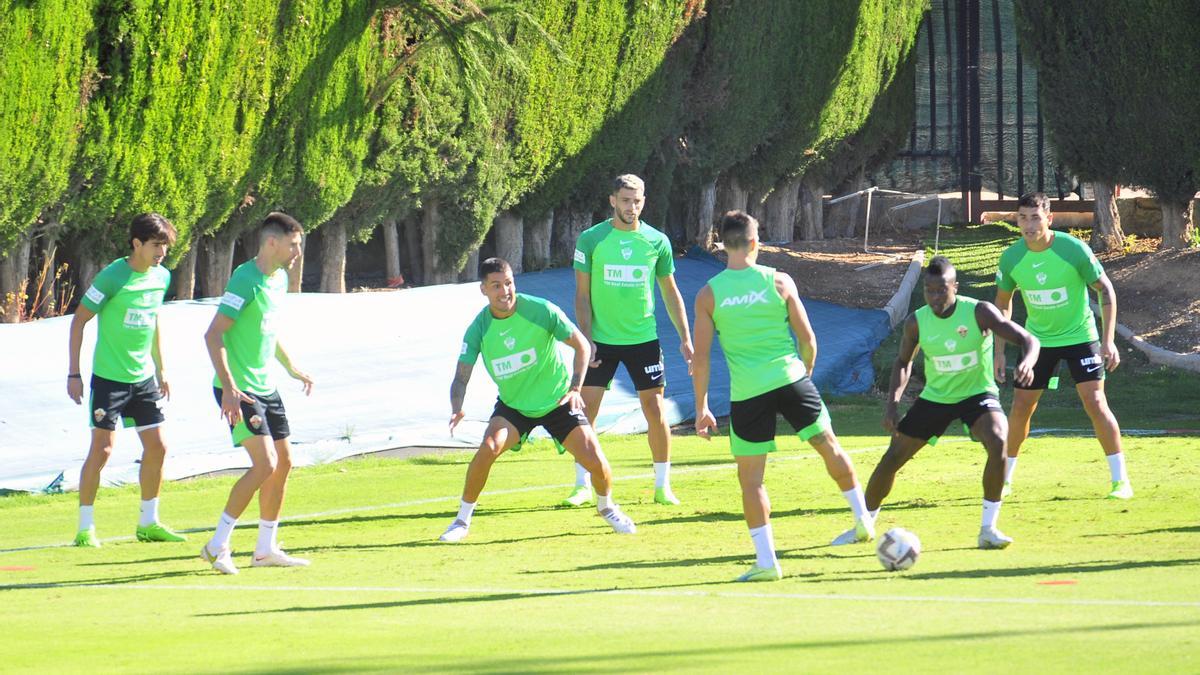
x,y
1090,585
538,588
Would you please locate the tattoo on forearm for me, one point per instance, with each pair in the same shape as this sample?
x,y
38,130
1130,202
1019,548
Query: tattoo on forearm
x,y
576,379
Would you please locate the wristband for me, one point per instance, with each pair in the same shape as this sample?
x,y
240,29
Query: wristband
x,y
74,376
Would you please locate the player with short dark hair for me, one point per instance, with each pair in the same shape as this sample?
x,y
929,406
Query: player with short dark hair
x,y
954,333
241,342
516,335
616,265
1053,271
751,308
129,382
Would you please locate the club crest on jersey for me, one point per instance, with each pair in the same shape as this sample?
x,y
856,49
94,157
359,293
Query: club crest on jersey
x,y
509,343
627,253
962,331
950,344
255,421
751,298
99,414
1041,277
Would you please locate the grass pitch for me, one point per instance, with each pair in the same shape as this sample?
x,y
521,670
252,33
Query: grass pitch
x,y
1090,585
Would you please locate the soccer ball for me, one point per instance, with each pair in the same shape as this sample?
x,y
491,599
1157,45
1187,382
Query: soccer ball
x,y
898,549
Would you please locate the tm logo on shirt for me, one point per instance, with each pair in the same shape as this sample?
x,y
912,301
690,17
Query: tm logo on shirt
x,y
139,319
1047,299
751,298
511,365
626,275
955,363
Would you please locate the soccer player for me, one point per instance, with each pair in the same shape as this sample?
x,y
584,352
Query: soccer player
x,y
955,334
241,341
516,334
616,264
1053,271
751,308
128,378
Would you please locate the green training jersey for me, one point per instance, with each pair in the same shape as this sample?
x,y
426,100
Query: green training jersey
x,y
252,299
623,267
1054,284
752,323
958,355
126,304
520,353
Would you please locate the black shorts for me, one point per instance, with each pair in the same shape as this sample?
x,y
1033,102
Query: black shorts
x,y
644,363
752,421
138,404
560,422
264,417
1082,359
927,420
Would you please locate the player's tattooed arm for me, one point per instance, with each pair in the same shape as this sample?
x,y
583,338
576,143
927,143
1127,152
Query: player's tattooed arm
x,y
458,392
1108,321
798,320
706,424
989,318
901,371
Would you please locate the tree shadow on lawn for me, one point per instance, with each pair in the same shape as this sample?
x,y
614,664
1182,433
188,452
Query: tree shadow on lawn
x,y
109,581
1182,529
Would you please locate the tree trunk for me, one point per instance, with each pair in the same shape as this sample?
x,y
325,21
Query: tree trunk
x,y
702,230
537,242
431,221
1106,225
296,271
333,257
510,239
1177,225
184,275
14,275
391,254
470,271
568,225
781,207
812,211
412,248
732,197
218,264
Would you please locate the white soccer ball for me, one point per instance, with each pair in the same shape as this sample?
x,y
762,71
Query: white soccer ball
x,y
898,549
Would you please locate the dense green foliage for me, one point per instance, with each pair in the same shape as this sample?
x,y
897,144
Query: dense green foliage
x,y
47,74
1118,89
355,111
782,84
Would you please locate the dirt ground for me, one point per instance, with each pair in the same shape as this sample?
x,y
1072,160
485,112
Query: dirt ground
x,y
1158,294
828,269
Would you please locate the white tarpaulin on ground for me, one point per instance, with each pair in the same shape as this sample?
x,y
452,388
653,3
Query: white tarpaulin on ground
x,y
382,362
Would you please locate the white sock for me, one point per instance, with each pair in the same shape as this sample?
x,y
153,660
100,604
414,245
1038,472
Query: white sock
x,y
662,475
149,514
267,530
875,514
854,497
85,517
604,502
1116,466
582,477
991,511
465,511
220,538
1010,465
764,546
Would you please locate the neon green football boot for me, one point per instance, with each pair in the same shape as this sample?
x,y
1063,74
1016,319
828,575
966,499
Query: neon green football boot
x,y
87,538
757,573
665,497
581,495
1121,489
158,532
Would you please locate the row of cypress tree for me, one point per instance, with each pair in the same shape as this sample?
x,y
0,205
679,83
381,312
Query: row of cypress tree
x,y
443,116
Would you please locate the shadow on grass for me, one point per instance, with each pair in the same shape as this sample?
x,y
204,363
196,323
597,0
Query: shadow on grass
x,y
1042,570
1183,529
109,581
